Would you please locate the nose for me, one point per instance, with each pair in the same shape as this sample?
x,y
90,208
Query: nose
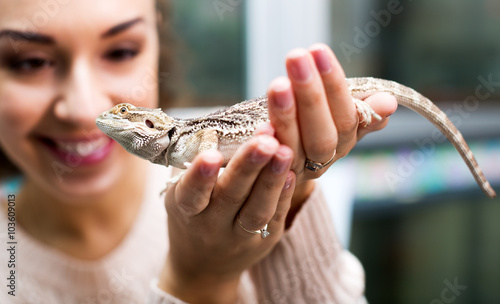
x,y
81,95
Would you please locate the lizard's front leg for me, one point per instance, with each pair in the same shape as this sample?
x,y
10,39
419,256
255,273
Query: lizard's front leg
x,y
202,140
205,139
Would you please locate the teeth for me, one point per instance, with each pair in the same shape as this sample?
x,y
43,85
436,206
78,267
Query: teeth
x,y
82,148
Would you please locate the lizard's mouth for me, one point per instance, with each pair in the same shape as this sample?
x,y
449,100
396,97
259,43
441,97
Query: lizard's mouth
x,y
117,125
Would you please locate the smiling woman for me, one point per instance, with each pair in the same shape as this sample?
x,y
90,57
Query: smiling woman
x,y
51,67
13,59
88,213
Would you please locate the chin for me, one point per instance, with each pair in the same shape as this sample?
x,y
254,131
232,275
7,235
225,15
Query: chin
x,y
84,182
83,187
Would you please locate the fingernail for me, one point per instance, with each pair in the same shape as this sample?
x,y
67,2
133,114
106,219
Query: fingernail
x,y
266,146
279,166
288,182
322,60
264,128
300,67
281,161
210,166
208,170
282,94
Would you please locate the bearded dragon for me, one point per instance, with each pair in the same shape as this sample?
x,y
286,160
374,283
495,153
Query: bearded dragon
x,y
153,135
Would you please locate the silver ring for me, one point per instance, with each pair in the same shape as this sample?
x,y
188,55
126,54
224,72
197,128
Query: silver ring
x,y
315,166
263,232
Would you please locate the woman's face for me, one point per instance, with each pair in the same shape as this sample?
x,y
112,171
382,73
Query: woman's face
x,y
62,63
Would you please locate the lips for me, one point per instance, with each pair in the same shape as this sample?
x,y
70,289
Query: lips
x,y
76,152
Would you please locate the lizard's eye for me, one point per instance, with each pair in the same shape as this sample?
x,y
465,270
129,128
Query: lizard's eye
x,y
149,124
123,110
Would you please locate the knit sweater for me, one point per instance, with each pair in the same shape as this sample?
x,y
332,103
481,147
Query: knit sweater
x,y
308,265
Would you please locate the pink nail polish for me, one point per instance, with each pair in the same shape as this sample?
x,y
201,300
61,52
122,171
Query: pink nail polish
x,y
278,166
288,183
208,170
283,96
211,165
282,160
284,100
300,69
322,61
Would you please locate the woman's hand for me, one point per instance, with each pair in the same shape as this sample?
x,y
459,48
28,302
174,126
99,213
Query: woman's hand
x,y
208,248
312,117
313,113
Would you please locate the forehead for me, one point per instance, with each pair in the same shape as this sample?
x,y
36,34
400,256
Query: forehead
x,y
59,16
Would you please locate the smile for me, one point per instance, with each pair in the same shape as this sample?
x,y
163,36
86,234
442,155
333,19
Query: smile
x,y
82,148
78,152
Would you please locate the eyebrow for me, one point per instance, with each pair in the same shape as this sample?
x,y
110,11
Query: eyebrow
x,y
44,39
115,30
27,36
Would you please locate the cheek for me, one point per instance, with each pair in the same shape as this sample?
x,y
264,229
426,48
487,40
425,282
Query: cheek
x,y
21,110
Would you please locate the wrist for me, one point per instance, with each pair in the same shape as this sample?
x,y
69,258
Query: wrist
x,y
195,289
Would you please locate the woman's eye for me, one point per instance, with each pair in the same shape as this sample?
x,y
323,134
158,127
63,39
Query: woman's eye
x,y
30,65
121,54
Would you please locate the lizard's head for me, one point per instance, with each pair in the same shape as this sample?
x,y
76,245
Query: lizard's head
x,y
141,131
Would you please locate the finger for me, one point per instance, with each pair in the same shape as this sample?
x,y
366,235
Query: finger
x,y
283,114
317,130
340,102
262,202
264,128
383,104
192,192
236,182
281,217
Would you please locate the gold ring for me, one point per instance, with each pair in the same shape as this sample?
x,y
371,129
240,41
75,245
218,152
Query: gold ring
x,y
315,166
263,232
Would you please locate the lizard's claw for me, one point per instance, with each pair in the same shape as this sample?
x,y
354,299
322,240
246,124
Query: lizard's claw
x,y
175,179
365,112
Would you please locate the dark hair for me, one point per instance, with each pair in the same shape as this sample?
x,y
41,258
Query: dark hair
x,y
168,85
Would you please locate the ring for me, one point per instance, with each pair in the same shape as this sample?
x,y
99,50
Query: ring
x,y
315,166
263,232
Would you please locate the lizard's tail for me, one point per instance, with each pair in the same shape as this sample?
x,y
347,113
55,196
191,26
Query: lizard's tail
x,y
411,99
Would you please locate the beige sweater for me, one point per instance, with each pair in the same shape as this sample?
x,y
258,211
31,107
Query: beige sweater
x,y
307,266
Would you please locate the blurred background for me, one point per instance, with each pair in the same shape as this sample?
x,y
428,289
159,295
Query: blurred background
x,y
403,201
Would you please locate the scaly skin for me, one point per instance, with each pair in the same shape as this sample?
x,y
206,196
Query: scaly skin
x,y
153,135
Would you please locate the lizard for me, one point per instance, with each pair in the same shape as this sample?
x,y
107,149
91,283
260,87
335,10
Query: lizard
x,y
153,135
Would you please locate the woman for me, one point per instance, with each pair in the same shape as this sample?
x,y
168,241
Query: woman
x,y
89,222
